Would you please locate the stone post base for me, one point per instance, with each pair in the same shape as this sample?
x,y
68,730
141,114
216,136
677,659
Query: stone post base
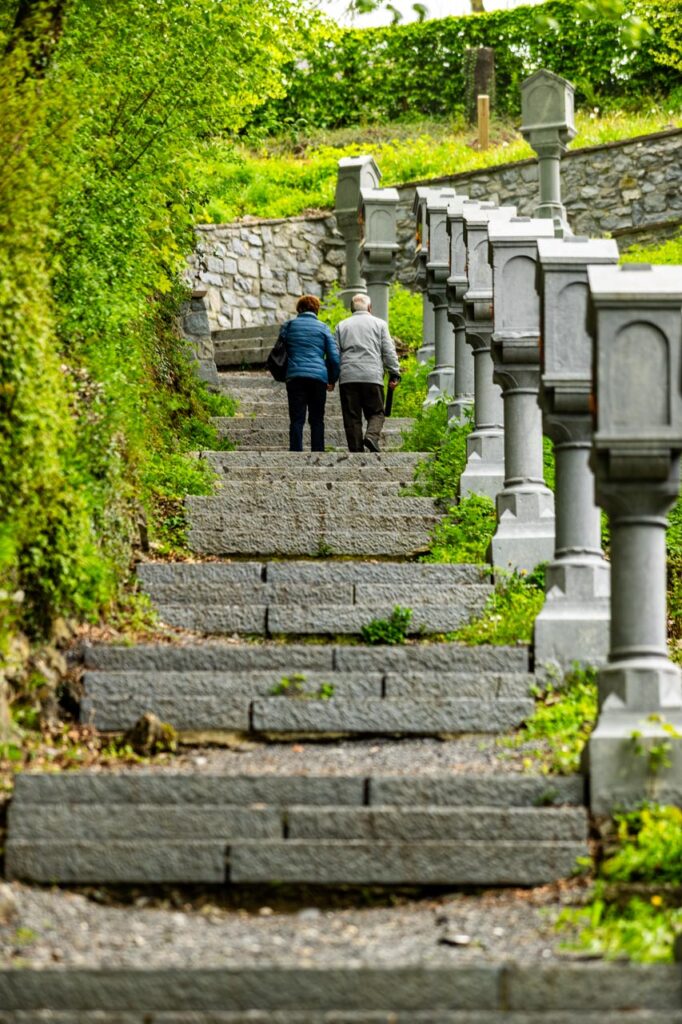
x,y
574,622
624,771
459,409
425,353
525,531
441,385
484,472
207,371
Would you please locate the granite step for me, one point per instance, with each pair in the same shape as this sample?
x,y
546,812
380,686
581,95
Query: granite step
x,y
182,826
261,435
432,659
196,700
220,511
314,535
263,466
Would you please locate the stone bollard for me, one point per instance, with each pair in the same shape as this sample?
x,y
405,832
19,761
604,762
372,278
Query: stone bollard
x,y
441,380
573,625
354,174
428,347
548,125
525,507
455,288
378,213
635,751
195,326
484,471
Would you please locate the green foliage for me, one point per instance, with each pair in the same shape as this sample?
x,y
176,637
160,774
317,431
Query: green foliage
x,y
408,397
429,430
564,716
510,611
646,851
669,251
295,686
380,74
388,631
406,318
465,532
333,311
103,113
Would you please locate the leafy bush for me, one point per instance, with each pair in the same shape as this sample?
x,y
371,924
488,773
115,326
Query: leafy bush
x,y
648,847
405,318
510,611
408,397
465,532
381,74
388,631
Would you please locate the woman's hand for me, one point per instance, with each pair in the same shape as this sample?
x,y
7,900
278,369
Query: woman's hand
x,y
330,387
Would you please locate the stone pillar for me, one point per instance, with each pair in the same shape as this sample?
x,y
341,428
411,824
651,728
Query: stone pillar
x,y
525,507
441,380
354,174
455,289
195,327
484,472
548,125
636,321
573,625
378,213
428,348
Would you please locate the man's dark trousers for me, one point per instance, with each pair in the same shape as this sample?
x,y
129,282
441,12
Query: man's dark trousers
x,y
357,399
306,394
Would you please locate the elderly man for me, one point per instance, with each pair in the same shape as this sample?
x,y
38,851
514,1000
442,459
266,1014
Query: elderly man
x,y
366,352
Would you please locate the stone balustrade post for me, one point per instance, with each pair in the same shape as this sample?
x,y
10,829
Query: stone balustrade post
x,y
636,321
441,381
354,174
525,507
455,289
428,347
378,217
195,326
573,625
484,471
547,103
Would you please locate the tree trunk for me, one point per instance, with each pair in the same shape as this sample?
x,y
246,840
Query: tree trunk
x,y
477,7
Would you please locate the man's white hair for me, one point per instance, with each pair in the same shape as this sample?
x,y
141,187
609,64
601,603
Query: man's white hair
x,y
359,302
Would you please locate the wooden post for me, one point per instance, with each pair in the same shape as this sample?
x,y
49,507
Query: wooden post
x,y
483,122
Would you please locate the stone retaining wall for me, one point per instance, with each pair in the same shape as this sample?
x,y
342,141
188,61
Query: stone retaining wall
x,y
254,270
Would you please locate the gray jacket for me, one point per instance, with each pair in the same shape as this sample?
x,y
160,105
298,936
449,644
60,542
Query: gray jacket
x,y
366,348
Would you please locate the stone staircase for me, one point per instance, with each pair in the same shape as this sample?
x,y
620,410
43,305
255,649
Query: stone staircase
x,y
246,346
394,779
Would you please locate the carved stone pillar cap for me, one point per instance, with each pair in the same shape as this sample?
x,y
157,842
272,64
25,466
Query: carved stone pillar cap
x,y
355,173
547,101
635,282
420,196
485,213
438,200
576,251
519,229
455,207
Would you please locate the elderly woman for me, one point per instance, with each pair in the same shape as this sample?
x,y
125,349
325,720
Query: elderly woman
x,y
312,370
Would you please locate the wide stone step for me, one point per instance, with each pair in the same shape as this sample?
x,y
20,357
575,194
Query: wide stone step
x,y
219,511
264,437
329,620
226,701
379,985
171,827
291,582
277,419
387,536
263,467
249,345
216,656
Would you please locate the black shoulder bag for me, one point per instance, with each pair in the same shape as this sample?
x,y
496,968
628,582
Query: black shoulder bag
x,y
278,359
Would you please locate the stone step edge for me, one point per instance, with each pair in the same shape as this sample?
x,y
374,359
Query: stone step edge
x,y
413,986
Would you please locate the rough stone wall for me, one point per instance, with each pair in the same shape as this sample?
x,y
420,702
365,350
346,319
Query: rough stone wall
x,y
254,271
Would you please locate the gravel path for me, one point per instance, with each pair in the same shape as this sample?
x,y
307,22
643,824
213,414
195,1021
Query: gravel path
x,y
53,927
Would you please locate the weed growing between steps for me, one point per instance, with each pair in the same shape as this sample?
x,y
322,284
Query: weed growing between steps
x,y
634,910
565,714
294,686
388,631
510,611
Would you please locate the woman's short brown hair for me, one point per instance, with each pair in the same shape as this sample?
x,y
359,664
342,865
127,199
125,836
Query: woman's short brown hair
x,y
308,304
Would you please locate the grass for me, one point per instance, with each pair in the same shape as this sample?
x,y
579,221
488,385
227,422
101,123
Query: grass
x,y
284,177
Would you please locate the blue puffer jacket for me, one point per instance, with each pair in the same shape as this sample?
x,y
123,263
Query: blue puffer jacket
x,y
311,349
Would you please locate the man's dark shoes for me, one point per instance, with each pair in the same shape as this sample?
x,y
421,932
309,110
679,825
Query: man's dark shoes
x,y
370,445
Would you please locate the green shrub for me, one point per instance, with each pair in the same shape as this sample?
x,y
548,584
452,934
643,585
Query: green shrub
x,y
408,397
510,611
405,314
388,631
465,532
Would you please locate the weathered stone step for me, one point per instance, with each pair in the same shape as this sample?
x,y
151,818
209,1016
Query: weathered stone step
x,y
150,826
329,620
357,986
216,656
262,437
277,419
195,701
293,462
292,582
389,536
243,346
242,355
219,510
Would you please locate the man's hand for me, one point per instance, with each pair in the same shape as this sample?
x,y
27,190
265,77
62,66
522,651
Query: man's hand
x,y
330,387
393,384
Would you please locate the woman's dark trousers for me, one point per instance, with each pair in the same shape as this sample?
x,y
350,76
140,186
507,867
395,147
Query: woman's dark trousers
x,y
306,394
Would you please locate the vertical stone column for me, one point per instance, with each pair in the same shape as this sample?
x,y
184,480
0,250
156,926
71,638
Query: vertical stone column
x,y
195,326
573,625
428,347
441,380
525,507
484,471
354,174
637,326
455,289
378,213
548,125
